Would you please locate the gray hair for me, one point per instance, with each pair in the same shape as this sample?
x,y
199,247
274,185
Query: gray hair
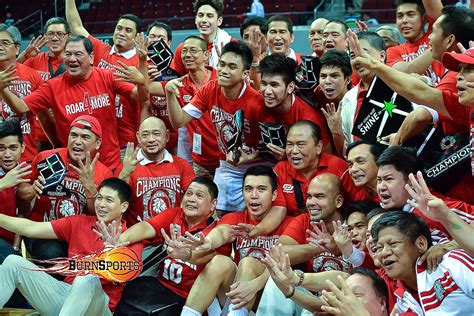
x,y
393,32
57,20
13,31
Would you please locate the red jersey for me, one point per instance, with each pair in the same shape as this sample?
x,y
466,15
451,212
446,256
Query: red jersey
x,y
29,80
78,232
323,262
128,111
408,51
41,64
49,208
71,98
391,286
157,186
178,275
7,207
286,174
160,109
209,98
257,247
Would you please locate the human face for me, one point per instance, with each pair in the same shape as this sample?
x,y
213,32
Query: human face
x,y
397,254
409,21
152,137
192,55
107,205
10,152
302,150
279,38
316,36
158,32
124,34
274,90
391,187
386,37
322,200
363,288
466,93
255,28
439,44
357,223
359,69
197,202
362,166
258,196
333,83
8,49
334,37
80,142
230,70
57,37
77,61
370,243
207,21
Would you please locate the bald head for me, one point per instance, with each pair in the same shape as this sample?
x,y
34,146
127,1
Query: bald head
x,y
316,35
152,137
324,198
152,122
330,180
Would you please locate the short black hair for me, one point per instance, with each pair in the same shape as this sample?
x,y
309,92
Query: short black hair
x,y
209,184
164,26
11,127
376,41
254,20
277,64
315,129
344,25
123,189
79,38
379,285
403,159
281,18
218,5
459,22
335,58
241,49
262,170
202,42
419,5
359,206
375,149
375,212
408,224
135,19
57,20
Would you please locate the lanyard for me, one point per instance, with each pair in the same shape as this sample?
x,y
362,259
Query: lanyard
x,y
61,69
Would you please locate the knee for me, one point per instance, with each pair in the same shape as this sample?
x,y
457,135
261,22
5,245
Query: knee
x,y
250,265
221,264
86,281
13,261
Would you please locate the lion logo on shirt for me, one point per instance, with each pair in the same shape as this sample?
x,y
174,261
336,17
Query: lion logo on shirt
x,y
329,262
156,201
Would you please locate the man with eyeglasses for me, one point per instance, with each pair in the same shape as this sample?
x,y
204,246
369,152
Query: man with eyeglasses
x,y
26,80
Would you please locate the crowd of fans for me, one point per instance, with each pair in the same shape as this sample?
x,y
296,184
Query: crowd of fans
x,y
100,148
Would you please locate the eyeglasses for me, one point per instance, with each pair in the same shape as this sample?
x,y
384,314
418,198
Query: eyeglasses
x,y
59,35
192,51
7,43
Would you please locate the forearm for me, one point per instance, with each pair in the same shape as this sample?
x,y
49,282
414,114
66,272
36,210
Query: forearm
x,y
417,65
219,236
301,253
317,281
255,77
125,174
434,8
461,231
272,220
307,300
26,192
22,57
338,138
74,19
90,191
138,232
16,104
176,113
26,227
414,124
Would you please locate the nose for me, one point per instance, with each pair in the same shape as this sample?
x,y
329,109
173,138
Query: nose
x,y
254,193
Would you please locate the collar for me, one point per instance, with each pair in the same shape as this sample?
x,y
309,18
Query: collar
x,y
203,224
291,54
2,172
244,87
167,157
127,55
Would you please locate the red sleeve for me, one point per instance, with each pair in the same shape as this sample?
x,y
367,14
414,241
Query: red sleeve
x,y
100,49
394,55
187,174
296,229
40,99
177,64
232,219
30,62
368,261
280,199
201,98
458,112
36,80
162,220
63,227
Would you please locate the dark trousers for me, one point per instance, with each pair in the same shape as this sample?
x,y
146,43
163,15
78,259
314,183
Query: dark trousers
x,y
17,300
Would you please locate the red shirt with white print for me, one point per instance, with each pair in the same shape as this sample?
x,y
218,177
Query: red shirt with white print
x,y
7,207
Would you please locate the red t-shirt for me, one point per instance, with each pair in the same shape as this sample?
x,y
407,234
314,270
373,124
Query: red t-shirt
x,y
94,96
327,164
49,208
177,275
157,187
29,80
323,262
209,98
7,207
391,286
257,247
78,232
128,110
408,51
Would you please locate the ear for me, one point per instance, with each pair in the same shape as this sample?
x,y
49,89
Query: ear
x,y
339,201
245,74
383,55
383,304
91,59
98,143
319,147
290,88
274,195
451,42
167,136
421,244
124,206
23,148
138,136
213,207
219,21
292,38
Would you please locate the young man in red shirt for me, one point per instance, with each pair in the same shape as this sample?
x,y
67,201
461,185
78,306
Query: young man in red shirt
x,y
26,80
158,178
78,188
77,295
83,89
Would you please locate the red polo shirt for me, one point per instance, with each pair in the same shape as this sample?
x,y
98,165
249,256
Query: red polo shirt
x,y
7,207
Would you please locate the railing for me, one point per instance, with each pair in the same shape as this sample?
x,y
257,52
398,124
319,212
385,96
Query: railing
x,y
36,25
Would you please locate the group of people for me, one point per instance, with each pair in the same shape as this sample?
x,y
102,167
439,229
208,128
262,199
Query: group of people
x,y
100,148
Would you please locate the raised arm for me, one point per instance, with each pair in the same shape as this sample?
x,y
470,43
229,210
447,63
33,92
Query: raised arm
x,y
433,8
25,227
74,19
298,253
417,65
178,116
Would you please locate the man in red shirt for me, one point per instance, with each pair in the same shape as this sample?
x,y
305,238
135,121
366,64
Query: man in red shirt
x,y
26,81
280,36
78,188
158,178
77,295
83,89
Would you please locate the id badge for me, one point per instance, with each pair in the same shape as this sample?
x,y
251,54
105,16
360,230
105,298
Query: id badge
x,y
197,139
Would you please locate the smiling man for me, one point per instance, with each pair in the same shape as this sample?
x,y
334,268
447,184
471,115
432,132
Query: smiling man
x,y
280,36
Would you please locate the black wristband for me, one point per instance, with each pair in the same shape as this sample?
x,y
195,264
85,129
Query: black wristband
x,y
292,292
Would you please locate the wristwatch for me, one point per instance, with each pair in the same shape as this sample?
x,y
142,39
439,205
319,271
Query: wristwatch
x,y
300,274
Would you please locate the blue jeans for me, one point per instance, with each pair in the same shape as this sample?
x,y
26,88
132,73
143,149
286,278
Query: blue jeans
x,y
5,250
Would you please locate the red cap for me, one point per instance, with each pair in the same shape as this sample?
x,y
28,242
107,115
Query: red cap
x,y
93,122
452,60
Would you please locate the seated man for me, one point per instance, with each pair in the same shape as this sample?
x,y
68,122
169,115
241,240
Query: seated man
x,y
78,295
401,239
